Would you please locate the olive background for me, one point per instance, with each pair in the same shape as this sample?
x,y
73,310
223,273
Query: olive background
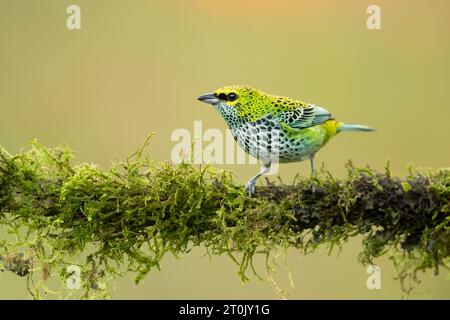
x,y
136,67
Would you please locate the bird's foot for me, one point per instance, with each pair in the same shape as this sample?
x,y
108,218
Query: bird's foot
x,y
311,186
250,187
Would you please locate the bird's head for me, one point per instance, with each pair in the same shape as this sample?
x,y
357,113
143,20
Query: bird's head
x,y
231,96
239,103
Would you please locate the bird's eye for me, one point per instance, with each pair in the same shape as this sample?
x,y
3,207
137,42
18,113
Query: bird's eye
x,y
232,96
222,96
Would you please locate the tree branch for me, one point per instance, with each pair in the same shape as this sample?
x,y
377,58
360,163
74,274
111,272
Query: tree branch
x,y
138,210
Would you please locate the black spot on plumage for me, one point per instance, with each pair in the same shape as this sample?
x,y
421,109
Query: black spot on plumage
x,y
222,96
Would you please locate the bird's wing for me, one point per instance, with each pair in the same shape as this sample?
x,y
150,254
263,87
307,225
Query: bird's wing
x,y
304,116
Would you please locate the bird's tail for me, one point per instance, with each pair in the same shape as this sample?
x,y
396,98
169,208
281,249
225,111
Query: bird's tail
x,y
353,127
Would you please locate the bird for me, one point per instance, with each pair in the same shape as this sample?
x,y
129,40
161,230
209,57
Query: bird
x,y
274,128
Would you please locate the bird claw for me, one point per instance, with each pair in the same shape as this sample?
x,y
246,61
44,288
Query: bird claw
x,y
250,187
311,187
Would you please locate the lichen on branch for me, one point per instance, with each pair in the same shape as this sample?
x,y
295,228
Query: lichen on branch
x,y
54,214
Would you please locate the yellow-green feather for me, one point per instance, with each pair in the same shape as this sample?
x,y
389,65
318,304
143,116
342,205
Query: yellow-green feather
x,y
253,104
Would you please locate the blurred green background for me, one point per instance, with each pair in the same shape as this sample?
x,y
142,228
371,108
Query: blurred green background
x,y
136,67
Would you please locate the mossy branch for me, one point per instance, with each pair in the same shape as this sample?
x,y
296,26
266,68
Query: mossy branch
x,y
132,214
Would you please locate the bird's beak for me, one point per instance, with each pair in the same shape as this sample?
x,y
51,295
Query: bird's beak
x,y
209,98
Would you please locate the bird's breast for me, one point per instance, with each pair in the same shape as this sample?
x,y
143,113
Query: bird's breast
x,y
267,140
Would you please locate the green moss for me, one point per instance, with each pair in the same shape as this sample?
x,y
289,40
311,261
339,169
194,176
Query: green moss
x,y
131,215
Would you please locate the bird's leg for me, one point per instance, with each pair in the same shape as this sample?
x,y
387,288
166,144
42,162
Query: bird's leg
x,y
313,172
313,167
250,185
